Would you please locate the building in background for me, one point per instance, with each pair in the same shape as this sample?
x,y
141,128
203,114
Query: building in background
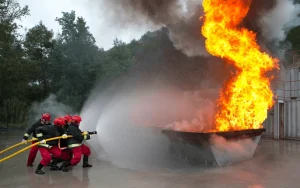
x,y
283,120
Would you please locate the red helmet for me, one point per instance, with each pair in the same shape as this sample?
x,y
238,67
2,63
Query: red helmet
x,y
46,117
59,121
76,119
67,118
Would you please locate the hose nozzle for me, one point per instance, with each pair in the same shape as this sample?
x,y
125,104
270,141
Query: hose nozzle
x,y
92,132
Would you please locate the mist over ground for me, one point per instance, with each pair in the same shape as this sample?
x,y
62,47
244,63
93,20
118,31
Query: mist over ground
x,y
129,126
130,114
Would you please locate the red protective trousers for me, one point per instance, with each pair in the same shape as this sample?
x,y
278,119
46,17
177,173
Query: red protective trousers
x,y
65,155
45,153
32,154
76,155
85,150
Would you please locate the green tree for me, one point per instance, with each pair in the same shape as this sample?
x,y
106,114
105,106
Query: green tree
x,y
117,61
78,56
39,44
13,65
294,37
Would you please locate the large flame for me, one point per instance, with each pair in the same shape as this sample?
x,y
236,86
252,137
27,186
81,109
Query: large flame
x,y
244,101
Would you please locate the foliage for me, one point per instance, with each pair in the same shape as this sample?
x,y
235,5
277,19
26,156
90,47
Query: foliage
x,y
13,65
294,38
80,59
117,61
38,45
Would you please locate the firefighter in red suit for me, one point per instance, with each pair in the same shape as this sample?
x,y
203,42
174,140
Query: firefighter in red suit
x,y
75,143
51,147
85,150
63,123
66,154
45,120
68,121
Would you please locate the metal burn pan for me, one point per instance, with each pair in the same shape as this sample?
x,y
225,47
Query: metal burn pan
x,y
214,148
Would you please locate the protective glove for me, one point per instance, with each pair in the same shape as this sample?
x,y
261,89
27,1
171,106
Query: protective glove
x,y
24,141
64,136
85,133
43,142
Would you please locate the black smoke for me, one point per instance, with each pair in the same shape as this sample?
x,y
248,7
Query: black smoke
x,y
181,17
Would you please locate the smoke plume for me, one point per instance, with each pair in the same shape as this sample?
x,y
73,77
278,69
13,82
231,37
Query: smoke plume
x,y
270,19
279,20
203,119
181,17
49,105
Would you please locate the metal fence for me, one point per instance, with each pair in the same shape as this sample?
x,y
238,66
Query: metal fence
x,y
288,90
283,119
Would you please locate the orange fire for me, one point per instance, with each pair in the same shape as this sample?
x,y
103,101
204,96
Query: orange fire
x,y
245,99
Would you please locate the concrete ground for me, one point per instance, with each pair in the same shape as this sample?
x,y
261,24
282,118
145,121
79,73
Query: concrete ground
x,y
276,164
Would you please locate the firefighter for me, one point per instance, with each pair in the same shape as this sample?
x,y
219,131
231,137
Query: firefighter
x,y
51,147
75,143
85,150
60,122
45,120
62,143
68,120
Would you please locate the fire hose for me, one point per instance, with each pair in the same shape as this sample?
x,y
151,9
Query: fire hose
x,y
32,145
16,145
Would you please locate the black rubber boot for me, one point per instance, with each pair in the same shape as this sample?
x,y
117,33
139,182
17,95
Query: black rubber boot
x,y
64,166
50,164
39,169
86,162
59,161
54,164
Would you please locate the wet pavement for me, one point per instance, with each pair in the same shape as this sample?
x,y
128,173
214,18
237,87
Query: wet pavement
x,y
276,164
